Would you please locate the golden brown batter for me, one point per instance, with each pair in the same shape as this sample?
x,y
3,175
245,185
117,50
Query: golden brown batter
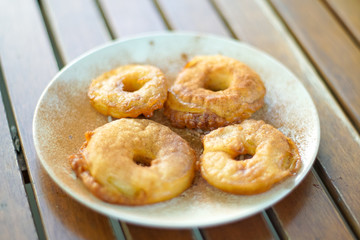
x,y
274,157
214,91
134,162
129,91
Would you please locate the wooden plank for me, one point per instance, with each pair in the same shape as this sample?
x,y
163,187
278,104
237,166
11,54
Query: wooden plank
x,y
254,227
296,213
140,232
28,66
77,28
192,15
15,214
349,13
132,17
330,48
339,146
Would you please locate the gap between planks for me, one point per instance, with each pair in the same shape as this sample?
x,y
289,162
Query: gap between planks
x,y
330,191
162,14
10,116
107,23
54,45
275,231
20,157
341,21
223,19
35,211
117,227
317,169
281,20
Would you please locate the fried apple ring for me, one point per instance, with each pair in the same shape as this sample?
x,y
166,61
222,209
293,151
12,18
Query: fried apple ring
x,y
129,91
134,162
214,91
274,157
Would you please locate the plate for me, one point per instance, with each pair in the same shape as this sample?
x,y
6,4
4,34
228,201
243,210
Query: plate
x,y
64,114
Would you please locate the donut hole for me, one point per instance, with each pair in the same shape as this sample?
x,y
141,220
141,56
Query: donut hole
x,y
242,157
142,160
132,84
218,80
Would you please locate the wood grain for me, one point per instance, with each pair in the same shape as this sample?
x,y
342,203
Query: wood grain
x,y
349,13
76,29
28,66
15,214
189,15
128,18
311,216
330,48
339,145
144,233
254,227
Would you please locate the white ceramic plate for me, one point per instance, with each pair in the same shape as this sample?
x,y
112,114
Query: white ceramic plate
x,y
64,114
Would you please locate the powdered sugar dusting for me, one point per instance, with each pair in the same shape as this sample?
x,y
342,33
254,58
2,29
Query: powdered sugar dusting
x,y
64,114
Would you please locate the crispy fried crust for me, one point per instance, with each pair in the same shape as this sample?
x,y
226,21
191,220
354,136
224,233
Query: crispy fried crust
x,y
107,162
129,91
214,91
195,120
274,157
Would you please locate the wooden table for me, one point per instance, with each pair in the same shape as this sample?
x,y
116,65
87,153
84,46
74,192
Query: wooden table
x,y
317,39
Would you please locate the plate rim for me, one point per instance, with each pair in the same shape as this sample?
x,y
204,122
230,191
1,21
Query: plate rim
x,y
135,219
